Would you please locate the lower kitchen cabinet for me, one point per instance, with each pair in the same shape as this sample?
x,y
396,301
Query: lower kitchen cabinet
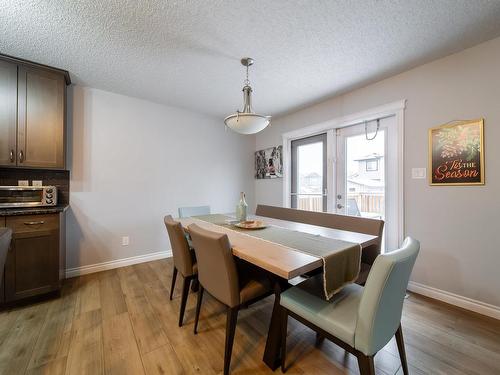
x,y
2,291
34,263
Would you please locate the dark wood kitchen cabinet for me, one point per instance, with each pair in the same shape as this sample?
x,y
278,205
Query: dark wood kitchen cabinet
x,y
34,264
8,113
32,114
40,120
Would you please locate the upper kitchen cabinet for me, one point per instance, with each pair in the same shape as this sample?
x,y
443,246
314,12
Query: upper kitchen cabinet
x,y
32,114
8,113
40,125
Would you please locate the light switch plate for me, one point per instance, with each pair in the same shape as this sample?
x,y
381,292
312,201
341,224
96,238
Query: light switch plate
x,y
23,183
37,183
418,173
125,241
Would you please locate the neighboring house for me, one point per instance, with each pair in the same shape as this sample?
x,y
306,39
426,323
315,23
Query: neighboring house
x,y
369,176
311,183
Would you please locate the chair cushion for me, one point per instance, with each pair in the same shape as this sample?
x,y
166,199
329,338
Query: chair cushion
x,y
337,316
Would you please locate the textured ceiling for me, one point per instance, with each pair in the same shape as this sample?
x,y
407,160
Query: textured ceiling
x,y
186,53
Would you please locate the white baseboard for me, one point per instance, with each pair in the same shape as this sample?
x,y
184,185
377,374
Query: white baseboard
x,y
84,270
456,300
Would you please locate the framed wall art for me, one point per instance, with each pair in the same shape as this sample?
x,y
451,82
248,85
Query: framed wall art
x,y
269,163
456,153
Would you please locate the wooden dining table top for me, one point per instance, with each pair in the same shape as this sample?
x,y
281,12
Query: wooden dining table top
x,y
281,260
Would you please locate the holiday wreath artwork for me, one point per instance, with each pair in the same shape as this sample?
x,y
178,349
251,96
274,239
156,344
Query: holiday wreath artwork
x,y
456,153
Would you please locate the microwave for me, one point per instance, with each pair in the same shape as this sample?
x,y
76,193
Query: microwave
x,y
28,196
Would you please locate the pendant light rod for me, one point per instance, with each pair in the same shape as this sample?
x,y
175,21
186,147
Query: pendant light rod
x,y
247,90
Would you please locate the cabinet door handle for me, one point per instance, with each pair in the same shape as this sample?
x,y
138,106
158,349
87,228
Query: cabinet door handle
x,y
12,156
34,222
21,156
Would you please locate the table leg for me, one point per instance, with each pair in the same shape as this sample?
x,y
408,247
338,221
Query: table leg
x,y
272,355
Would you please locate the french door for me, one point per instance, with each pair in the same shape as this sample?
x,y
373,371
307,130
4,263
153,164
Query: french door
x,y
347,171
360,170
309,173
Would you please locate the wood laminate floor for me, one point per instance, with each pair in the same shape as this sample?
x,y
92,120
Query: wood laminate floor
x,y
121,322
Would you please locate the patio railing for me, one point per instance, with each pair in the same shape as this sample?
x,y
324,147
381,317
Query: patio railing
x,y
367,202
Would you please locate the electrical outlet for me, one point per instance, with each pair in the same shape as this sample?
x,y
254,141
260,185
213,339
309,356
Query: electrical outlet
x,y
37,183
418,173
125,241
23,183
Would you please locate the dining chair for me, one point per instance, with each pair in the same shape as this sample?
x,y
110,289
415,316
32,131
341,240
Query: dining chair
x,y
184,261
235,284
194,211
361,320
358,224
5,237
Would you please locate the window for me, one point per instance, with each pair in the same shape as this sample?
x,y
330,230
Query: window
x,y
372,165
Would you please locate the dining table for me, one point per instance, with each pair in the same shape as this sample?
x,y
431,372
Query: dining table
x,y
282,261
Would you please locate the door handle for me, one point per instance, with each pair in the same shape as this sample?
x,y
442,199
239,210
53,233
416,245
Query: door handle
x,y
12,156
21,156
339,206
34,222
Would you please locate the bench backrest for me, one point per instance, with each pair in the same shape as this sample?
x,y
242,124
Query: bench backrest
x,y
358,224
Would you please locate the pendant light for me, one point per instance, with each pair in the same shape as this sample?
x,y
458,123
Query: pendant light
x,y
247,122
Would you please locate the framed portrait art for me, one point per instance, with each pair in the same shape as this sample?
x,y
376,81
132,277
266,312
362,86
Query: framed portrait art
x,y
456,153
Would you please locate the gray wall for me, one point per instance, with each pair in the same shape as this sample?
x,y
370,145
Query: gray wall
x,y
134,161
457,226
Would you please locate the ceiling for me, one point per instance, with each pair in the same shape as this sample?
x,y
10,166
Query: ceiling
x,y
186,53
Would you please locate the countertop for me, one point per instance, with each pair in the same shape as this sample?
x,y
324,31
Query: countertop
x,y
32,210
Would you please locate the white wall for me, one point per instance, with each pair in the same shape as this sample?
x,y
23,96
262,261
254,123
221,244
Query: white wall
x,y
134,161
459,227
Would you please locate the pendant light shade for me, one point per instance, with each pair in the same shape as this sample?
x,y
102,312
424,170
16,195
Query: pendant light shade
x,y
246,121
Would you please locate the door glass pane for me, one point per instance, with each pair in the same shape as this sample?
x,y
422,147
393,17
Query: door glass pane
x,y
309,173
365,176
310,177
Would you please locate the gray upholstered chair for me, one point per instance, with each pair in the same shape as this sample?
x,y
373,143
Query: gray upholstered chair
x,y
184,261
5,236
361,320
235,284
194,211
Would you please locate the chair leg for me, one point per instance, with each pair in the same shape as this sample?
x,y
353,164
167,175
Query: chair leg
x,y
284,329
195,285
401,349
185,292
198,307
319,339
232,317
366,365
174,276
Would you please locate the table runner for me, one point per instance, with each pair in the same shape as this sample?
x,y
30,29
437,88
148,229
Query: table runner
x,y
341,259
